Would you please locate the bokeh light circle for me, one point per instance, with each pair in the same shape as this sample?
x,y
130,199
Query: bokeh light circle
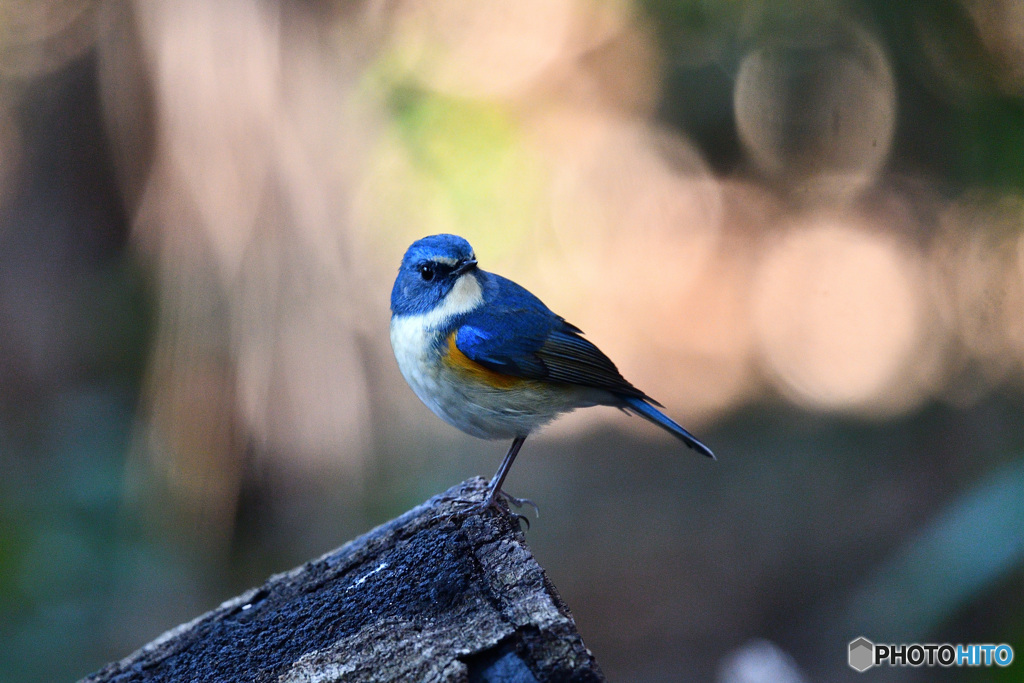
x,y
838,314
818,112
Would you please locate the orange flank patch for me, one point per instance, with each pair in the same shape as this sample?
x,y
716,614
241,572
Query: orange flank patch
x,y
459,360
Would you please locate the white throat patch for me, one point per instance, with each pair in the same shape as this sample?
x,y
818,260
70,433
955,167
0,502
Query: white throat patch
x,y
465,296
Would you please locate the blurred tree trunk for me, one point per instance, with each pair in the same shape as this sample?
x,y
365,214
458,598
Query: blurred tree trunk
x,y
433,595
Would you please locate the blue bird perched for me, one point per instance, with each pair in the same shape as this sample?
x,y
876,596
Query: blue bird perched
x,y
490,358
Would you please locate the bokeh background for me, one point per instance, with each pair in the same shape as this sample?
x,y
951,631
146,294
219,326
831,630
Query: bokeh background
x,y
798,224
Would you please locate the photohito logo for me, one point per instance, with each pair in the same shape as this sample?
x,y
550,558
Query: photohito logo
x,y
863,654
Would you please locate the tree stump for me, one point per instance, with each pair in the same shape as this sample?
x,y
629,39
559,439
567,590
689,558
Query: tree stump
x,y
434,595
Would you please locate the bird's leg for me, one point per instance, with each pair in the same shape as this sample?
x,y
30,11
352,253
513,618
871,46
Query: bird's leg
x,y
494,492
494,488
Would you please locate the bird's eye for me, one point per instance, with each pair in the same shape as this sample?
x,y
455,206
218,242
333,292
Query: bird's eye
x,y
427,272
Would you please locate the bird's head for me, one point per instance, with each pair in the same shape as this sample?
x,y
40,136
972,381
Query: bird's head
x,y
430,271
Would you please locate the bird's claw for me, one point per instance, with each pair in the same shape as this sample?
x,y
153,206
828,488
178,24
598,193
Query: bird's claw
x,y
494,502
518,502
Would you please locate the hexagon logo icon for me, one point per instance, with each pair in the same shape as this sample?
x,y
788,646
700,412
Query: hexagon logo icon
x,y
862,654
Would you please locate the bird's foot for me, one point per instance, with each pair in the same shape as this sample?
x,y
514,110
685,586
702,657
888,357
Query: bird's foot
x,y
518,503
503,503
500,502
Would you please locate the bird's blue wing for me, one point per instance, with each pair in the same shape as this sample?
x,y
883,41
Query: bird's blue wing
x,y
505,341
516,334
505,334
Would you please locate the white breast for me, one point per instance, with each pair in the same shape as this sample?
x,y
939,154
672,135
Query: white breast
x,y
417,345
416,351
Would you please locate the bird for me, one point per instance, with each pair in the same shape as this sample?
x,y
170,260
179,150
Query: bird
x,y
488,357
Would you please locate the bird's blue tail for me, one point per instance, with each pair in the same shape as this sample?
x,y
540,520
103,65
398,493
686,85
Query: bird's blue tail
x,y
649,412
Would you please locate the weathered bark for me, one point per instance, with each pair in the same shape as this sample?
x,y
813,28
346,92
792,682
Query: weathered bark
x,y
434,595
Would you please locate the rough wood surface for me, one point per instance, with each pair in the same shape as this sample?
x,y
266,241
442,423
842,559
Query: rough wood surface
x,y
434,595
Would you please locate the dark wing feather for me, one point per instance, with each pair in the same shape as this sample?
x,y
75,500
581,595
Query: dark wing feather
x,y
572,359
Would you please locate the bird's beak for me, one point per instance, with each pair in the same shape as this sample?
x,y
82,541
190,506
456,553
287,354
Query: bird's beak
x,y
465,266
